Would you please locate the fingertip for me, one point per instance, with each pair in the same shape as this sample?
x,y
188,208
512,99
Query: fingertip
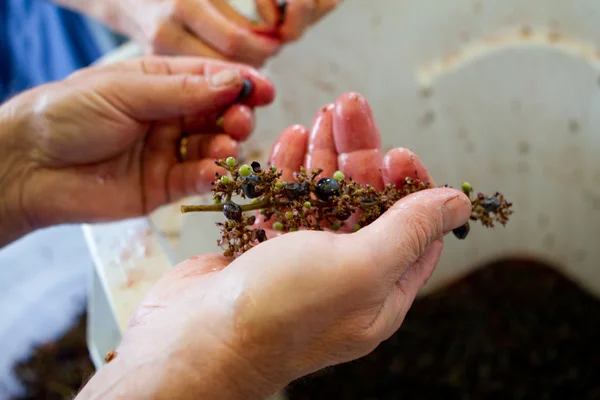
x,y
399,163
289,150
354,126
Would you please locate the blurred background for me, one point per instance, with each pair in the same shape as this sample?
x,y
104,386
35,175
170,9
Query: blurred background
x,y
503,93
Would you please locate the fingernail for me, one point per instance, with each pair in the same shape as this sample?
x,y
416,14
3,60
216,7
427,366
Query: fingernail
x,y
247,88
223,78
455,212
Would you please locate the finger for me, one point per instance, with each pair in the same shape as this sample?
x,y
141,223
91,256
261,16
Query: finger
x,y
263,90
321,152
191,178
211,146
357,140
231,40
255,26
237,121
324,8
299,15
288,152
156,97
400,236
174,39
400,163
268,11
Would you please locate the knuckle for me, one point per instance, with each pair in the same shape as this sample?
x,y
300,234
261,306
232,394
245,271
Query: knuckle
x,y
421,230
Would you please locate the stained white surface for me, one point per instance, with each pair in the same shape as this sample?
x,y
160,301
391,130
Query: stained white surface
x,y
43,288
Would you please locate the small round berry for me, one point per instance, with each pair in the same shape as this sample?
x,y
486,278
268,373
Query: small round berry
x,y
230,161
462,231
279,185
335,226
326,188
343,215
278,226
251,220
250,187
245,170
356,228
339,176
467,188
307,204
255,166
289,215
217,201
273,168
232,211
224,180
247,88
491,204
294,190
261,235
293,229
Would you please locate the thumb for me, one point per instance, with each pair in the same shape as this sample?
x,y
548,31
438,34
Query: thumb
x,y
396,240
159,97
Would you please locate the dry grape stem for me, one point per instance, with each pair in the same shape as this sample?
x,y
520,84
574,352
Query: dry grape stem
x,y
316,204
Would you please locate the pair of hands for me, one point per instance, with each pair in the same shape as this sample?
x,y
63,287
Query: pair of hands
x,y
208,28
103,145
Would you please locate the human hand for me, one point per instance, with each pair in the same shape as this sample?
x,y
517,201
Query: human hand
x,y
299,302
208,28
103,144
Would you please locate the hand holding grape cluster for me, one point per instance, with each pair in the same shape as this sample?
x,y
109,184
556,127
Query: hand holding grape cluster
x,y
316,203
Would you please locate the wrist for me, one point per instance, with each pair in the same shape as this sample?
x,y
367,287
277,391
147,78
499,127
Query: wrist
x,y
15,173
155,375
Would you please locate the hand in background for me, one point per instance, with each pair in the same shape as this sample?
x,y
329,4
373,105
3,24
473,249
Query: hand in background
x,y
104,144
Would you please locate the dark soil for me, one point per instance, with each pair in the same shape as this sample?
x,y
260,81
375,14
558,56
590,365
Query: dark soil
x,y
510,331
57,370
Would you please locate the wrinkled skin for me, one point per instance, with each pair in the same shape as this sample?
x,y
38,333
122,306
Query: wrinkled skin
x,y
207,28
301,301
103,145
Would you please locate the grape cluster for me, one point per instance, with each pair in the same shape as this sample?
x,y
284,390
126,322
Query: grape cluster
x,y
315,203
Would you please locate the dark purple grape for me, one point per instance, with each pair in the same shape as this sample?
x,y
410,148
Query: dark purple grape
x,y
256,166
326,188
232,211
261,235
250,187
247,89
295,190
343,215
462,231
491,204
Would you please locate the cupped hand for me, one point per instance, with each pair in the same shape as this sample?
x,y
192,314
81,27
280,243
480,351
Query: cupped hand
x,y
304,300
105,144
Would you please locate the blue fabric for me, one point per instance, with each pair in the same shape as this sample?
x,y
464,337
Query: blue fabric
x,y
41,42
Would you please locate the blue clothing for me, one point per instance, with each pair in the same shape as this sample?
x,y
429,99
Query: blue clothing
x,y
41,42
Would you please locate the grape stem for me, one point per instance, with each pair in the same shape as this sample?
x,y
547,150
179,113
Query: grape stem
x,y
251,207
